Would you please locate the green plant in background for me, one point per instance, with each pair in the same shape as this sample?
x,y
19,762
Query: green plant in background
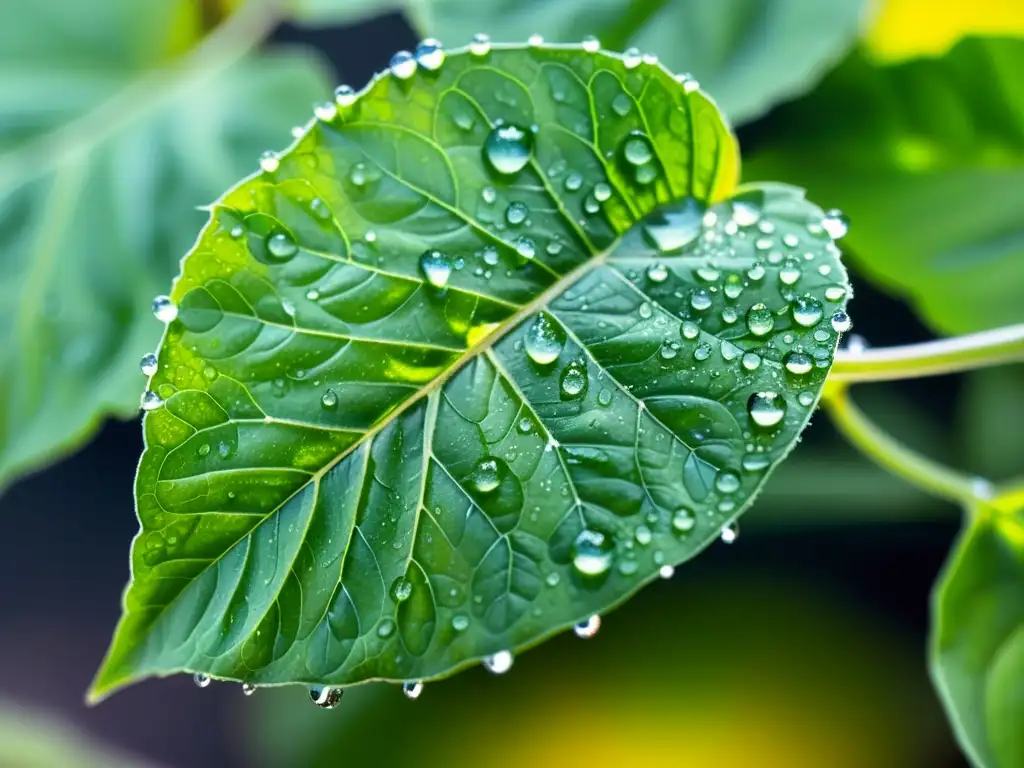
x,y
498,340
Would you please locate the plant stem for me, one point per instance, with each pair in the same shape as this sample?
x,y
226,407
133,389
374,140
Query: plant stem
x,y
892,455
960,353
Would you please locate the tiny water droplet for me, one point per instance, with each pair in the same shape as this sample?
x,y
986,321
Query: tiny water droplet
x,y
201,680
436,267
657,273
688,81
344,96
790,272
412,689
401,589
516,213
325,111
759,320
591,44
164,309
751,361
807,311
592,552
486,475
281,246
766,409
841,322
588,628
806,399
622,104
835,293
683,520
727,482
573,182
386,628
689,330
535,40
543,340
667,571
702,352
151,400
631,58
604,398
269,161
754,462
700,300
248,689
430,54
149,364
526,248
574,380
402,65
756,272
499,663
835,223
325,696
460,622
508,149
729,533
637,149
480,45
798,363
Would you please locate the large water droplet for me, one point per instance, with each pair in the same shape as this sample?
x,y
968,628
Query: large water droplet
x,y
436,267
759,320
412,689
164,309
841,322
592,552
702,352
574,380
807,311
526,248
325,696
727,482
499,663
430,54
508,149
790,272
344,96
637,149
835,223
700,300
402,65
543,340
588,628
683,520
766,409
631,58
386,628
149,364
480,45
516,213
798,363
486,475
151,401
401,589
460,622
670,228
281,246
751,361
325,111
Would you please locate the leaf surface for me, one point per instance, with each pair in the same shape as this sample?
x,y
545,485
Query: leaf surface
x,y
472,364
930,169
109,142
977,648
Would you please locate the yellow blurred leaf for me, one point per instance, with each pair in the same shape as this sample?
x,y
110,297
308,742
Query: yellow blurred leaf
x,y
905,29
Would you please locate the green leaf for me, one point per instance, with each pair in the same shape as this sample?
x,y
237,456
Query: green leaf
x,y
929,167
750,55
105,150
977,650
35,740
431,395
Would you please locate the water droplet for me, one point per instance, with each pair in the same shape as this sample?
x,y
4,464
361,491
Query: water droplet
x,y
486,475
604,398
657,273
683,520
573,182
807,311
592,552
622,104
733,286
668,351
727,482
689,330
745,214
790,272
700,300
149,364
499,663
766,409
552,579
460,622
436,267
201,680
325,111
490,255
164,309
756,272
729,533
805,399
430,54
543,340
281,246
151,400
526,248
751,361
688,81
320,209
508,149
574,380
480,45
489,195
344,96
670,228
631,58
835,293
588,628
591,44
386,628
248,689
754,462
412,689
535,40
637,149
798,363
401,589
602,191
841,322
325,696
667,571
645,310
759,320
203,450
835,223
269,161
402,65
516,213
702,352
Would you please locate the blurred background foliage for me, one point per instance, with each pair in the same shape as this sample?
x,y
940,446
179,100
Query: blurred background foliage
x,y
801,645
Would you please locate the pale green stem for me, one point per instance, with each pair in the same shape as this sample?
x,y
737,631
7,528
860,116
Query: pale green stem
x,y
218,51
960,353
928,475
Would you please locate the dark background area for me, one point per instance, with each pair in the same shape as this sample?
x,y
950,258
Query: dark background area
x,y
67,532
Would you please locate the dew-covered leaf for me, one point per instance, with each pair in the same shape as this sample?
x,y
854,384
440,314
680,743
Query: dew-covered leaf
x,y
929,167
109,140
480,355
977,648
750,55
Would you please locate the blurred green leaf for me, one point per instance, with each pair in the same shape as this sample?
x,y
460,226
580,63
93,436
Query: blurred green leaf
x,y
430,395
105,150
978,637
33,740
927,159
991,401
749,54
